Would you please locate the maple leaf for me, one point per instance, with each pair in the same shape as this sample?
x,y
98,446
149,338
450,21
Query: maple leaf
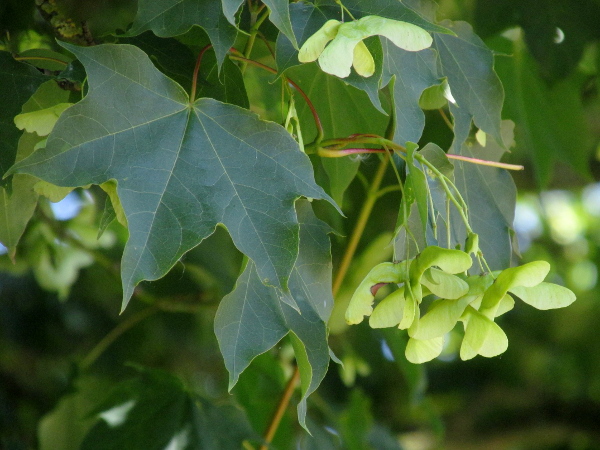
x,y
182,168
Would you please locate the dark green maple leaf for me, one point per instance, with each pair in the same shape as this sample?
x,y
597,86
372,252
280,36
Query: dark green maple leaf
x,y
469,66
168,18
392,9
491,195
18,82
414,72
252,318
181,167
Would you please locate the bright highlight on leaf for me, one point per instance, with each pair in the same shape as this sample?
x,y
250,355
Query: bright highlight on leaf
x,y
347,48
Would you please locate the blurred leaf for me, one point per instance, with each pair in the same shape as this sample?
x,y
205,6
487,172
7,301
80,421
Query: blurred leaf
x,y
155,411
253,318
550,121
65,427
258,390
18,82
356,421
44,58
556,52
17,207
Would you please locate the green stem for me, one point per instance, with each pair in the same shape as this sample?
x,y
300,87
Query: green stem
x,y
387,190
445,117
253,33
447,190
359,228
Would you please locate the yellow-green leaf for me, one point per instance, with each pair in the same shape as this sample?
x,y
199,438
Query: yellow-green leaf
x,y
443,284
41,121
419,351
389,311
545,295
315,44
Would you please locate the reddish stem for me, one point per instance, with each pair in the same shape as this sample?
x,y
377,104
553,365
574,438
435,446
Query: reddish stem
x,y
196,70
313,111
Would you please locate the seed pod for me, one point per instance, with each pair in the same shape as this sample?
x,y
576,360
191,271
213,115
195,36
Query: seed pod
x,y
362,299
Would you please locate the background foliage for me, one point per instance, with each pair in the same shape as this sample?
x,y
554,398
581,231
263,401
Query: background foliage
x,y
66,355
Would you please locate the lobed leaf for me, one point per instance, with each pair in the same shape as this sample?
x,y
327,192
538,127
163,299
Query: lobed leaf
x,y
154,410
253,317
469,66
178,168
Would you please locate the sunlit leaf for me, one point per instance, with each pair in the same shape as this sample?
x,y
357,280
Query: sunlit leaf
x,y
443,284
544,295
41,121
389,311
419,351
482,337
